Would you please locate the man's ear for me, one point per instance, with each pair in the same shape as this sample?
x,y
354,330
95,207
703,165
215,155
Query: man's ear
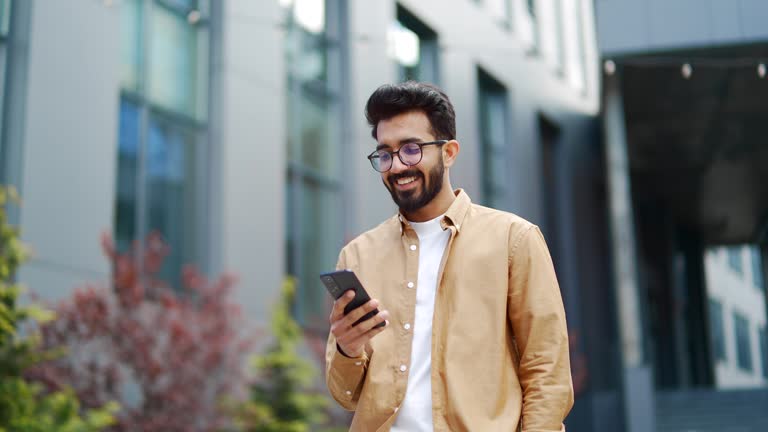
x,y
450,152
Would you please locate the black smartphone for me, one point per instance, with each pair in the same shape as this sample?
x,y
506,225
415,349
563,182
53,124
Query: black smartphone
x,y
341,281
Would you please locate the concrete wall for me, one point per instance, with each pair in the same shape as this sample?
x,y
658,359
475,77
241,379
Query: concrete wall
x,y
69,143
627,26
248,153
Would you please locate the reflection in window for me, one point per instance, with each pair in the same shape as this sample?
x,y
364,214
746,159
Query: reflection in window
x,y
716,330
314,200
169,190
734,259
162,124
413,46
130,43
743,345
128,163
757,268
494,137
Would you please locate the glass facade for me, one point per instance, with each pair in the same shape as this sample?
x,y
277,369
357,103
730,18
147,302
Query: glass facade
x,y
413,46
164,81
493,110
743,344
716,330
316,151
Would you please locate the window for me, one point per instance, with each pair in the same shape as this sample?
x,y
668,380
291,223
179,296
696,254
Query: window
x,y
743,345
501,10
413,45
573,43
763,336
734,259
550,38
494,139
549,136
716,330
316,151
757,268
162,126
526,23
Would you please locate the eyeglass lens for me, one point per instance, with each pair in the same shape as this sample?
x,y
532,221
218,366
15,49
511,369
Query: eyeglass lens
x,y
409,154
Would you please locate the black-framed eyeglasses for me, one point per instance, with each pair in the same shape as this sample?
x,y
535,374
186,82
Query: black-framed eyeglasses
x,y
410,154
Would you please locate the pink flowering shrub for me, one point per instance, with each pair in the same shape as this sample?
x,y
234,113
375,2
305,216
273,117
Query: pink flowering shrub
x,y
168,356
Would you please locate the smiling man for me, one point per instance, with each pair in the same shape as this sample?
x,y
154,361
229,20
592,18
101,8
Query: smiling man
x,y
475,336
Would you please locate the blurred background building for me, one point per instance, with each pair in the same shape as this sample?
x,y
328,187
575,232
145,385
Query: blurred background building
x,y
684,120
235,129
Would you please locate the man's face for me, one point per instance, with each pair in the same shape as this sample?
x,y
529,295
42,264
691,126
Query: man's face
x,y
411,187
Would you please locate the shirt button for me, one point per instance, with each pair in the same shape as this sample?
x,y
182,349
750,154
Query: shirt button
x,y
403,368
410,284
407,326
358,363
348,392
413,247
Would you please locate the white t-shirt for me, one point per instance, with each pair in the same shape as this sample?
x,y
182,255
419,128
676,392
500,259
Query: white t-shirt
x,y
415,414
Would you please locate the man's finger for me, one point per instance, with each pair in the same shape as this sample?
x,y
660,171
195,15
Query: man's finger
x,y
338,306
367,336
361,329
359,312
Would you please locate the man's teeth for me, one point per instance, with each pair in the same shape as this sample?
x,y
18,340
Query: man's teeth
x,y
406,180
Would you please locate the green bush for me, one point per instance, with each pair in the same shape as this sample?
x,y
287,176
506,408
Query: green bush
x,y
24,406
282,398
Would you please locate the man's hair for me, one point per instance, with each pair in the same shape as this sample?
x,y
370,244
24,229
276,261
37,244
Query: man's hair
x,y
390,100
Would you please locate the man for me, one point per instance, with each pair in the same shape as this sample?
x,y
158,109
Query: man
x,y
475,336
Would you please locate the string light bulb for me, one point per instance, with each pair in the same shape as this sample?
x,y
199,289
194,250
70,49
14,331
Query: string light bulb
x,y
193,17
761,70
686,70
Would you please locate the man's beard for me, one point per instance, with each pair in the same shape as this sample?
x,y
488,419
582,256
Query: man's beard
x,y
409,201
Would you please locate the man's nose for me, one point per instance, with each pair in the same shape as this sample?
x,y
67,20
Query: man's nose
x,y
397,165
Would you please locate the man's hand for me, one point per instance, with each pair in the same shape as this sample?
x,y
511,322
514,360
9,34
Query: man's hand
x,y
352,340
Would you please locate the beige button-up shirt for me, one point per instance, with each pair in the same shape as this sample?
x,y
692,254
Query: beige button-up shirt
x,y
499,337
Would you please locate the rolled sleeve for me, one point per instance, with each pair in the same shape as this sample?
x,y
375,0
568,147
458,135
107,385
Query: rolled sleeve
x,y
344,375
537,317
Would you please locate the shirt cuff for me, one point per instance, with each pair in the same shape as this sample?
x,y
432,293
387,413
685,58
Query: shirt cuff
x,y
345,377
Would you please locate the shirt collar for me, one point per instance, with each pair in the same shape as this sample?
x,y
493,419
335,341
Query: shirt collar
x,y
454,216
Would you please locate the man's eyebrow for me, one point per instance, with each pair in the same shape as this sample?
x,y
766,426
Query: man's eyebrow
x,y
402,141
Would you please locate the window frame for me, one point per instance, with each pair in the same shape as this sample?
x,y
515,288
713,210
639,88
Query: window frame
x,y
743,343
195,126
428,68
717,331
301,177
493,194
